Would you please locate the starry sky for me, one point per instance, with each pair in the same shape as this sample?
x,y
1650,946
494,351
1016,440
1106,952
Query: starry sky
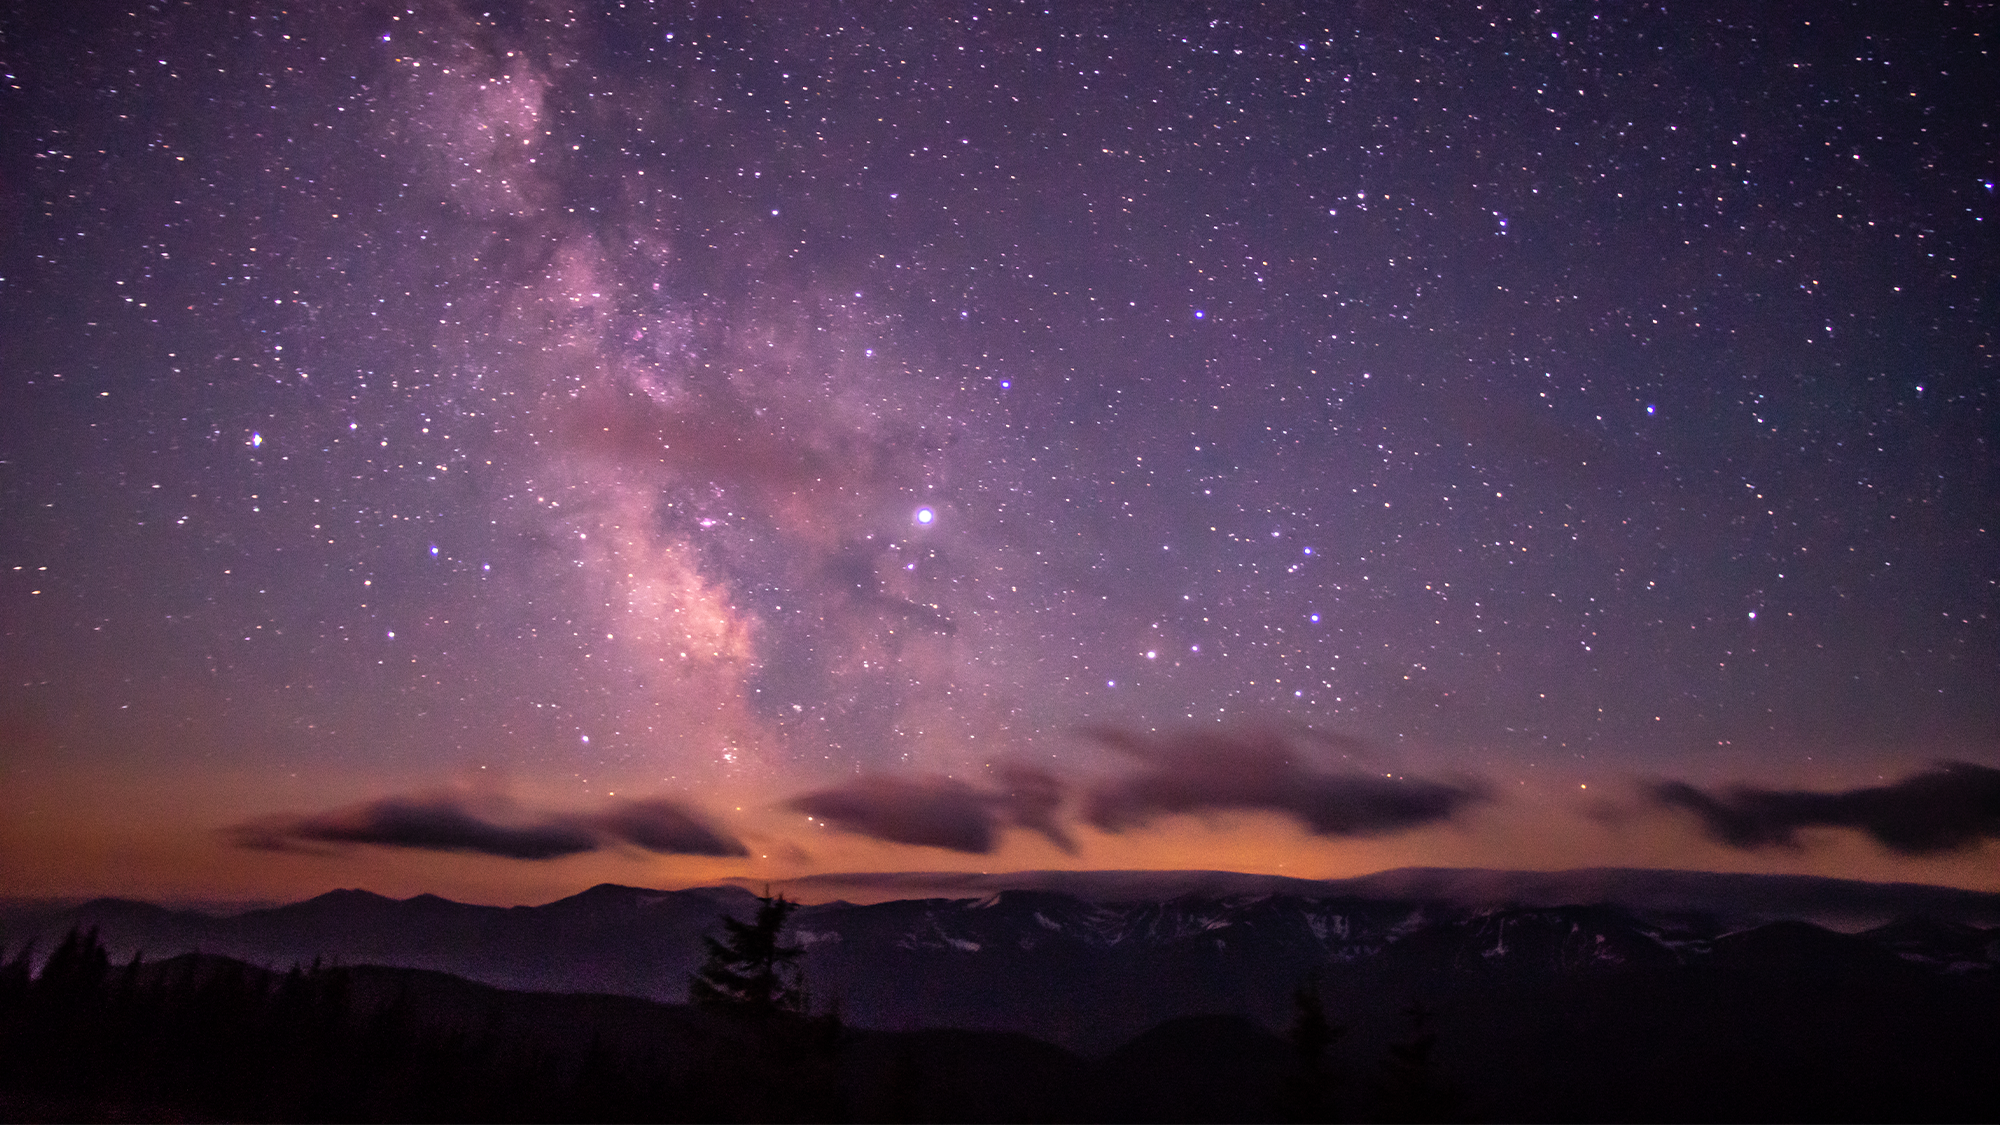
x,y
491,448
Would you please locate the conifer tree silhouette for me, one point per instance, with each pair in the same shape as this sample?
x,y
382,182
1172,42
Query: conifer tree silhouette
x,y
1310,1092
1410,1087
750,969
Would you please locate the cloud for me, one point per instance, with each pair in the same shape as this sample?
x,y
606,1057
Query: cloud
x,y
1953,806
940,812
1031,800
660,825
932,812
444,823
1264,770
435,823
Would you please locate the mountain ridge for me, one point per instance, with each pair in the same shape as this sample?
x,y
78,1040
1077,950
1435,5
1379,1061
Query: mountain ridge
x,y
1687,990
1026,952
1844,902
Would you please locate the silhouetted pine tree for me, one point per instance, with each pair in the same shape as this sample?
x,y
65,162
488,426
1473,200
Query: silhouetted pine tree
x,y
750,969
65,1007
76,969
1410,1088
16,977
1310,1096
793,1072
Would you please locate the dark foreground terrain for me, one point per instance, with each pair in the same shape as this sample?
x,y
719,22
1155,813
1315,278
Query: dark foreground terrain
x,y
1027,1005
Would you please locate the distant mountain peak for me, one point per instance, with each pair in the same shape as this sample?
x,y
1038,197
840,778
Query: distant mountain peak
x,y
346,896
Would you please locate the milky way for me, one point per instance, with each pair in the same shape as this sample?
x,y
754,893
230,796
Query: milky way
x,y
912,408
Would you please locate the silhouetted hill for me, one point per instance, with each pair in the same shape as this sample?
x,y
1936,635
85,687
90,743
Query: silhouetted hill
x,y
1740,899
1585,1012
1193,1068
1081,971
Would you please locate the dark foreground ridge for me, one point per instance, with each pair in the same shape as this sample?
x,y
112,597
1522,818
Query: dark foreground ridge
x,y
1023,1005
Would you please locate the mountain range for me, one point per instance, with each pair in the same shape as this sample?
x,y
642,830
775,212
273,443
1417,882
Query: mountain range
x,y
1087,959
1576,995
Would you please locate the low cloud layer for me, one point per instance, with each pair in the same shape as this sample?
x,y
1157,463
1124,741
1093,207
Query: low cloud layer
x,y
1203,772
941,812
667,827
1953,806
444,823
1263,771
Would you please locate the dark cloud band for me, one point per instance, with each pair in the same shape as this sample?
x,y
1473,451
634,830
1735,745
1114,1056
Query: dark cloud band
x,y
444,824
1267,771
1951,807
667,827
940,812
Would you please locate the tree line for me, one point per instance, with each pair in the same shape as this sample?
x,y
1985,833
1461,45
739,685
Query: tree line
x,y
211,1037
197,1036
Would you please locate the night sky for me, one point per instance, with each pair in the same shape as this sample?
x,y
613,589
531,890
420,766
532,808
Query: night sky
x,y
494,448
